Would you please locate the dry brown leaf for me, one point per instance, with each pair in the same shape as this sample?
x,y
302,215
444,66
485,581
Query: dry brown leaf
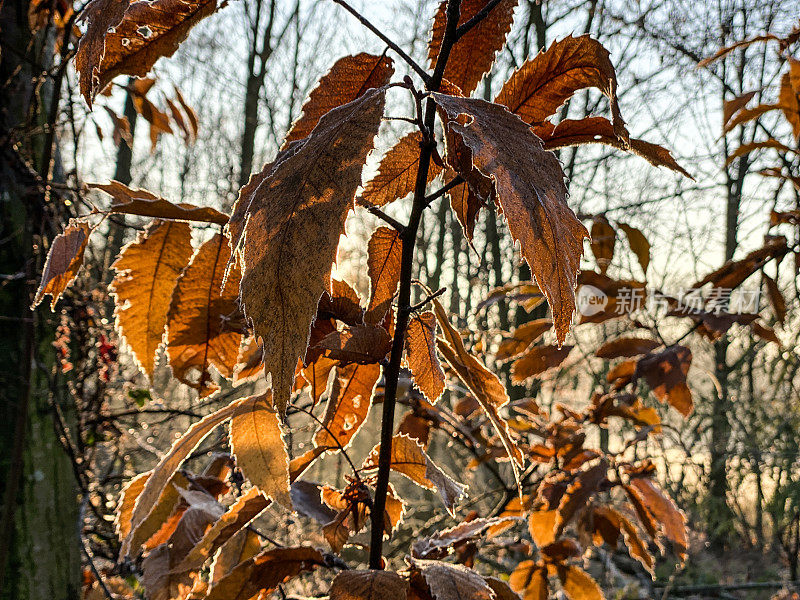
x,y
122,128
537,89
146,32
438,545
599,130
638,243
789,96
665,373
421,355
293,223
671,520
542,526
204,326
472,56
409,459
348,405
537,361
244,545
529,579
164,471
349,78
146,273
765,332
384,255
146,204
101,15
522,337
397,172
368,585
776,298
264,572
257,443
501,589
244,510
627,347
64,260
531,192
159,581
578,584
127,500
191,114
746,149
604,238
582,488
452,582
731,107
466,205
362,344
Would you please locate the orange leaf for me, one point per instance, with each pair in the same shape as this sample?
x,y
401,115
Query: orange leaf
x,y
522,337
384,255
665,373
421,355
204,326
146,204
537,361
348,405
627,347
530,580
349,78
671,520
64,260
146,273
473,55
397,172
578,584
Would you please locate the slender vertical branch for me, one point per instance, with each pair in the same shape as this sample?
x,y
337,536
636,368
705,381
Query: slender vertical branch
x,y
392,372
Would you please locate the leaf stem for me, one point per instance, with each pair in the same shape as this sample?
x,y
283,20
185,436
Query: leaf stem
x,y
392,371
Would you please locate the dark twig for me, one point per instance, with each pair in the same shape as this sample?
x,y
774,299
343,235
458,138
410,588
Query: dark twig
x,y
455,181
396,225
406,58
430,297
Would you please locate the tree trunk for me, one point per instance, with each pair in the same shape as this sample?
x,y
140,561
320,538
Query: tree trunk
x,y
39,543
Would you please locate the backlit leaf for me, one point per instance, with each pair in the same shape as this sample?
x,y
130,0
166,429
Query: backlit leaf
x,y
665,373
638,243
64,260
368,585
293,223
537,361
522,337
529,579
530,190
421,355
257,443
348,405
473,55
384,255
627,347
146,273
452,582
349,78
130,201
604,239
578,584
671,520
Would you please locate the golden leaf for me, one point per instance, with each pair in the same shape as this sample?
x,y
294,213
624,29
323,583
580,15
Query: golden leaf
x,y
348,405
64,260
421,355
384,255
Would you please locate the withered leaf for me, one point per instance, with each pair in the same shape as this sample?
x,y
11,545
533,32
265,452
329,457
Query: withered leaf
x,y
501,589
257,443
734,272
204,326
64,260
789,96
384,255
671,520
776,298
349,78
122,128
146,32
473,55
421,355
163,472
665,373
368,585
578,584
599,130
531,192
437,545
348,405
243,546
264,572
101,15
362,344
158,580
147,270
244,510
146,204
537,89
397,172
294,220
522,337
529,579
731,107
127,500
537,361
452,582
542,526
638,243
582,488
409,459
604,238
627,347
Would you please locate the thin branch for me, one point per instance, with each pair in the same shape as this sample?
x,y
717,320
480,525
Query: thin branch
x,y
455,181
396,225
406,58
430,297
